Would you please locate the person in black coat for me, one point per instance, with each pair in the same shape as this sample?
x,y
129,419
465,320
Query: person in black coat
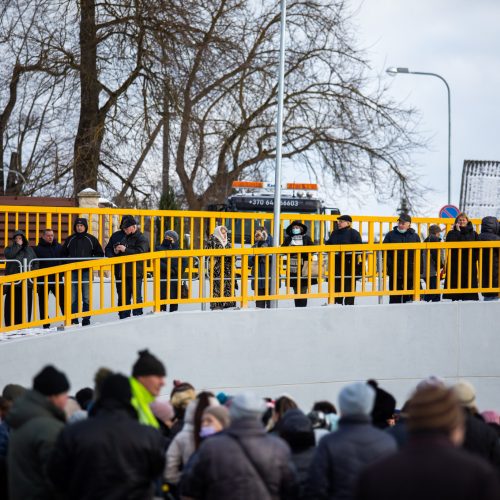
x,y
261,281
490,231
342,455
173,280
49,248
81,244
296,235
345,235
110,455
128,241
463,231
18,252
396,269
431,465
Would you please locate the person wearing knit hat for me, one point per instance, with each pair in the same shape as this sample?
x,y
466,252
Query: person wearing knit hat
x,y
247,405
480,438
431,465
171,270
35,420
241,462
110,455
213,420
128,240
341,455
148,377
344,234
384,406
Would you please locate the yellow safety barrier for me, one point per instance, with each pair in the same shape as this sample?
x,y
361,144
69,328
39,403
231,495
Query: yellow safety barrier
x,y
226,278
193,226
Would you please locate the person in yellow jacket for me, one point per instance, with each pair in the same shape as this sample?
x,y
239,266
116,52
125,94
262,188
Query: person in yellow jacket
x,y
148,377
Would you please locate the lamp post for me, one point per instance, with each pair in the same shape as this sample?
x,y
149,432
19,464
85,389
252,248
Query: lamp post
x,y
395,71
279,140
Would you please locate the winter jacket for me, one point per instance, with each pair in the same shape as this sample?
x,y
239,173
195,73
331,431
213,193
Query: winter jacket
x,y
429,467
46,250
108,456
221,470
481,440
289,240
182,446
436,258
81,244
490,231
394,236
342,455
135,243
19,253
345,236
35,423
174,263
258,265
464,234
141,399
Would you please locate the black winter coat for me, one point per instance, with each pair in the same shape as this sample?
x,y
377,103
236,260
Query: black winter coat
x,y
46,250
342,455
258,265
81,245
394,236
344,236
19,253
135,243
465,234
481,440
489,232
429,467
109,456
174,263
220,470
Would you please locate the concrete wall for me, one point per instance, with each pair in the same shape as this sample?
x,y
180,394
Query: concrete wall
x,y
309,353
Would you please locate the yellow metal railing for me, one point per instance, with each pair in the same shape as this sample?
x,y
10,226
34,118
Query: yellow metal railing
x,y
224,277
193,226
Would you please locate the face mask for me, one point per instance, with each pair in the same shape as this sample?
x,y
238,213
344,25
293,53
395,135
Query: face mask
x,y
168,244
402,231
207,431
296,230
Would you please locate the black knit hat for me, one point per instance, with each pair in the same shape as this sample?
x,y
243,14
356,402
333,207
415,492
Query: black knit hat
x,y
127,221
147,364
50,381
346,218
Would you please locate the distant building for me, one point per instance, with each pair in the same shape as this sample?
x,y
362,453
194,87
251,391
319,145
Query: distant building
x,y
480,190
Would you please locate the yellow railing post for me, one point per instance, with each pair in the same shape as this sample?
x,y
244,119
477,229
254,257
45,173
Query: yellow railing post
x,y
67,298
156,285
244,281
416,275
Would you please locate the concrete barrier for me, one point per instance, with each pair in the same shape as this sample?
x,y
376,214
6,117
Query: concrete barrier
x,y
309,353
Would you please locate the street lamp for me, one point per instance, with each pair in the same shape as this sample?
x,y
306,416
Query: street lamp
x,y
393,72
279,141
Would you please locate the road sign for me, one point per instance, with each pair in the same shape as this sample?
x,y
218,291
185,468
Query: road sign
x,y
449,212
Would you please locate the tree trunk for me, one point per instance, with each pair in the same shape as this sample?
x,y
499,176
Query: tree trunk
x,y
165,176
91,125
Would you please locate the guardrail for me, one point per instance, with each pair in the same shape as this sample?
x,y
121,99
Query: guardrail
x,y
193,226
332,273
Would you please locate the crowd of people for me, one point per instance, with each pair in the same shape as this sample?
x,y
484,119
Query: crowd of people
x,y
461,267
120,439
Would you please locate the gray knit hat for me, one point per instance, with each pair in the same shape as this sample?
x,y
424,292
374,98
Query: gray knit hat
x,y
247,405
172,234
356,399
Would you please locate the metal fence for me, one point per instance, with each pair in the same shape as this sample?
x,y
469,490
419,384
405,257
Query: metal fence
x,y
240,277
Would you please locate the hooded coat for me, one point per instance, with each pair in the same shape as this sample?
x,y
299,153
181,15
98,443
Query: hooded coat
x,y
46,250
19,253
490,231
305,240
81,244
35,423
464,234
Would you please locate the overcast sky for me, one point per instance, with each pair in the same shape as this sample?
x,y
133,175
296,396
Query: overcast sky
x,y
460,40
